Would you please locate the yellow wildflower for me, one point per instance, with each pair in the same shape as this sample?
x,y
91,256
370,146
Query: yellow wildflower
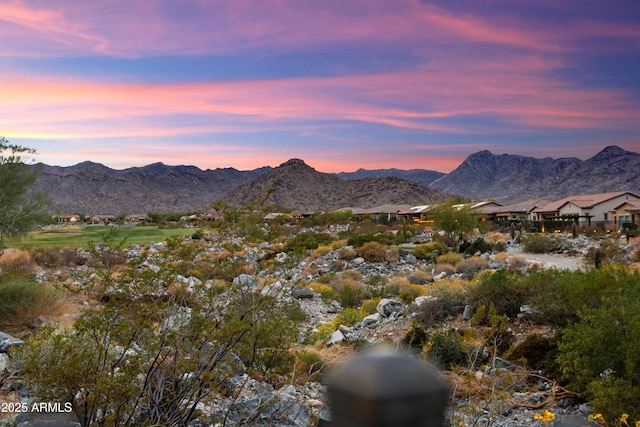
x,y
546,417
623,419
596,417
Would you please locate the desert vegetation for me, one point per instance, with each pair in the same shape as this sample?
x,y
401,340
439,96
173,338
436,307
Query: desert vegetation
x,y
239,321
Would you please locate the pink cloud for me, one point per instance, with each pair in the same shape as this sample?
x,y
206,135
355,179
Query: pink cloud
x,y
140,27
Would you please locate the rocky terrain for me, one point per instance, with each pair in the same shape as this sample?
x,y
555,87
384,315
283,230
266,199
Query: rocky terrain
x,y
291,280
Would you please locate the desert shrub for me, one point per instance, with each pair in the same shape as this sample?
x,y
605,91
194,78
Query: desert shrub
x,y
540,243
376,284
337,266
360,239
392,255
564,294
321,250
599,355
444,268
472,266
446,349
370,306
448,299
326,292
503,288
537,352
501,257
327,277
354,275
517,261
450,258
611,253
347,253
321,333
477,245
308,366
15,260
348,317
428,250
47,257
420,277
408,292
372,251
23,300
338,244
416,337
306,241
351,294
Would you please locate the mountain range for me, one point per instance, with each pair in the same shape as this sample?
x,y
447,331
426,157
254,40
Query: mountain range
x,y
91,188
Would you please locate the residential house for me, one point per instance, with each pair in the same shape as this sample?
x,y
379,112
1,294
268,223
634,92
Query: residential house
x,y
103,219
627,213
67,219
518,212
586,209
415,213
136,218
212,215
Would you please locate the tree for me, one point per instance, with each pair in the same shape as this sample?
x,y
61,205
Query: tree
x,y
19,209
455,219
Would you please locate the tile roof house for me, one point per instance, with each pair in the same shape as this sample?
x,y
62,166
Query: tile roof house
x,y
586,208
523,211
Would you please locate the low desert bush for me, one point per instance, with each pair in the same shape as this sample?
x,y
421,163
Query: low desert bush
x,y
448,299
450,258
501,257
537,352
15,260
308,366
377,284
373,251
347,253
445,349
348,317
351,294
504,288
478,245
370,306
517,261
23,300
305,241
444,268
540,243
326,292
472,266
428,250
321,250
420,277
408,292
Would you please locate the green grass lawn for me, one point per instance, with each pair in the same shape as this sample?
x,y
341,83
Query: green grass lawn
x,y
78,236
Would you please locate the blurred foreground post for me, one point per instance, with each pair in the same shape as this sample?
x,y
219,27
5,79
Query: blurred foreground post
x,y
382,388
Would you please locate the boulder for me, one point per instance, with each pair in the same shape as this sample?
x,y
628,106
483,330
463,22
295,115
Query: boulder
x,y
386,307
7,341
336,337
301,292
371,320
246,281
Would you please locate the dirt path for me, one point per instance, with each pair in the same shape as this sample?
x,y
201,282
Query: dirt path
x,y
559,261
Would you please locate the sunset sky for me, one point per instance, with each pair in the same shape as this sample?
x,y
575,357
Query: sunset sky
x,y
341,84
